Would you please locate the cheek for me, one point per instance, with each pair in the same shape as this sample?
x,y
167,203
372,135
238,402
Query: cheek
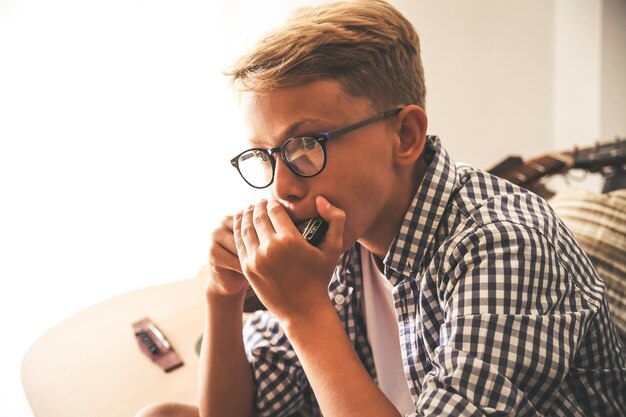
x,y
360,185
361,195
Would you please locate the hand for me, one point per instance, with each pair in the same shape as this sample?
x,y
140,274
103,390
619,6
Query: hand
x,y
225,277
289,275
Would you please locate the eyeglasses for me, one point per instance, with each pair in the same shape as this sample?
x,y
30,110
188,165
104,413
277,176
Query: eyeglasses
x,y
304,155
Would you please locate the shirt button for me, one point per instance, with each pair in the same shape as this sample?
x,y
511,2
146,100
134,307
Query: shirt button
x,y
340,299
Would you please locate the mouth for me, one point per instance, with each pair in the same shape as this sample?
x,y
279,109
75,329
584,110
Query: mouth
x,y
297,216
302,219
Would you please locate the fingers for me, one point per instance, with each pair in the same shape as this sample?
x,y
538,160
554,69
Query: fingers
x,y
223,236
222,258
239,242
280,219
261,221
336,219
223,251
227,223
248,233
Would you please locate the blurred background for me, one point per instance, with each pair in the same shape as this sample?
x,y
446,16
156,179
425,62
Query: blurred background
x,y
117,126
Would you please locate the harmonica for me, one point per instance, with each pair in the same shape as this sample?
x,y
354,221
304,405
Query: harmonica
x,y
313,230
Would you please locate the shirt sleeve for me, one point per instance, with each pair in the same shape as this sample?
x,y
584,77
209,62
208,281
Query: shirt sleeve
x,y
513,318
279,379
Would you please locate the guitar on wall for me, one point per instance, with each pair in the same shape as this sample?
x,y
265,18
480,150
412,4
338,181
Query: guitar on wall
x,y
607,158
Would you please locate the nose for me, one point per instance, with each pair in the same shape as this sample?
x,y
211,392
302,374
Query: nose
x,y
287,185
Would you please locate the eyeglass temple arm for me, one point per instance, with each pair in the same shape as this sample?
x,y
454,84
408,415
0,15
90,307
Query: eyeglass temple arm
x,y
359,125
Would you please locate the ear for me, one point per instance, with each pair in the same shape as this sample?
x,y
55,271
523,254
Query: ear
x,y
411,131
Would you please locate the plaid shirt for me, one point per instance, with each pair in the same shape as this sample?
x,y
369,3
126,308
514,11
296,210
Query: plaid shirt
x,y
499,311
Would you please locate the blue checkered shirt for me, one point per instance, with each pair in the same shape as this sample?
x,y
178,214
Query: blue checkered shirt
x,y
499,311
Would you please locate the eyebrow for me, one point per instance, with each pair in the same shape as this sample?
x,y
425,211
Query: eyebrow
x,y
293,130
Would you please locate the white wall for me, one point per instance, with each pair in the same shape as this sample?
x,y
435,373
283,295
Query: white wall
x,y
489,75
578,70
116,128
590,78
613,79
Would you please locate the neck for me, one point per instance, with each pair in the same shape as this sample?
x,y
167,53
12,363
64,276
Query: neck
x,y
382,232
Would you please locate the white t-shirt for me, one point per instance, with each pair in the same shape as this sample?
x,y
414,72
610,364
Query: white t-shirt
x,y
382,334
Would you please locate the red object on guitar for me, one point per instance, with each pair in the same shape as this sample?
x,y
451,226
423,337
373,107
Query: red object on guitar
x,y
155,346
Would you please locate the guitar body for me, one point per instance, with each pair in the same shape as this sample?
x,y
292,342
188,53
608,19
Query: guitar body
x,y
91,365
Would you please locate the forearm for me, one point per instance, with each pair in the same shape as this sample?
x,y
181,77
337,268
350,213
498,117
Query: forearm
x,y
341,384
225,378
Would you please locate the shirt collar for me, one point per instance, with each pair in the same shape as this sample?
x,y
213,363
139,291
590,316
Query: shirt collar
x,y
422,219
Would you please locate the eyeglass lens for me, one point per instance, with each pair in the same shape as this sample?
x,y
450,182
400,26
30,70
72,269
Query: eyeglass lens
x,y
304,155
256,167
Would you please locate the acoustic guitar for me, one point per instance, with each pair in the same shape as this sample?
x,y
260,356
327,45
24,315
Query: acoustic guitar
x,y
92,365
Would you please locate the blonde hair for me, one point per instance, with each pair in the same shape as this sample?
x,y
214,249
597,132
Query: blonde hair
x,y
366,45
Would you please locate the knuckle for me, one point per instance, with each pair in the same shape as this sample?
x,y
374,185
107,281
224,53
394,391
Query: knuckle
x,y
253,261
251,265
259,262
266,252
259,218
215,234
247,271
274,208
212,251
215,270
282,240
245,231
286,242
216,259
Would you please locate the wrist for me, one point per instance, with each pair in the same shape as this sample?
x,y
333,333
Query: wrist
x,y
309,319
220,301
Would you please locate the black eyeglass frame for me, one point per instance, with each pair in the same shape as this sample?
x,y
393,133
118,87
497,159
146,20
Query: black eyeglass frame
x,y
321,138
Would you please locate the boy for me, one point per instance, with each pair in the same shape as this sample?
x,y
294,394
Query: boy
x,y
437,289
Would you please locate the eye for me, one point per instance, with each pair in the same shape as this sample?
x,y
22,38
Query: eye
x,y
305,155
309,143
261,157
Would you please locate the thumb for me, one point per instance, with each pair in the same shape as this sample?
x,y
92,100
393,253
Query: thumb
x,y
336,219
